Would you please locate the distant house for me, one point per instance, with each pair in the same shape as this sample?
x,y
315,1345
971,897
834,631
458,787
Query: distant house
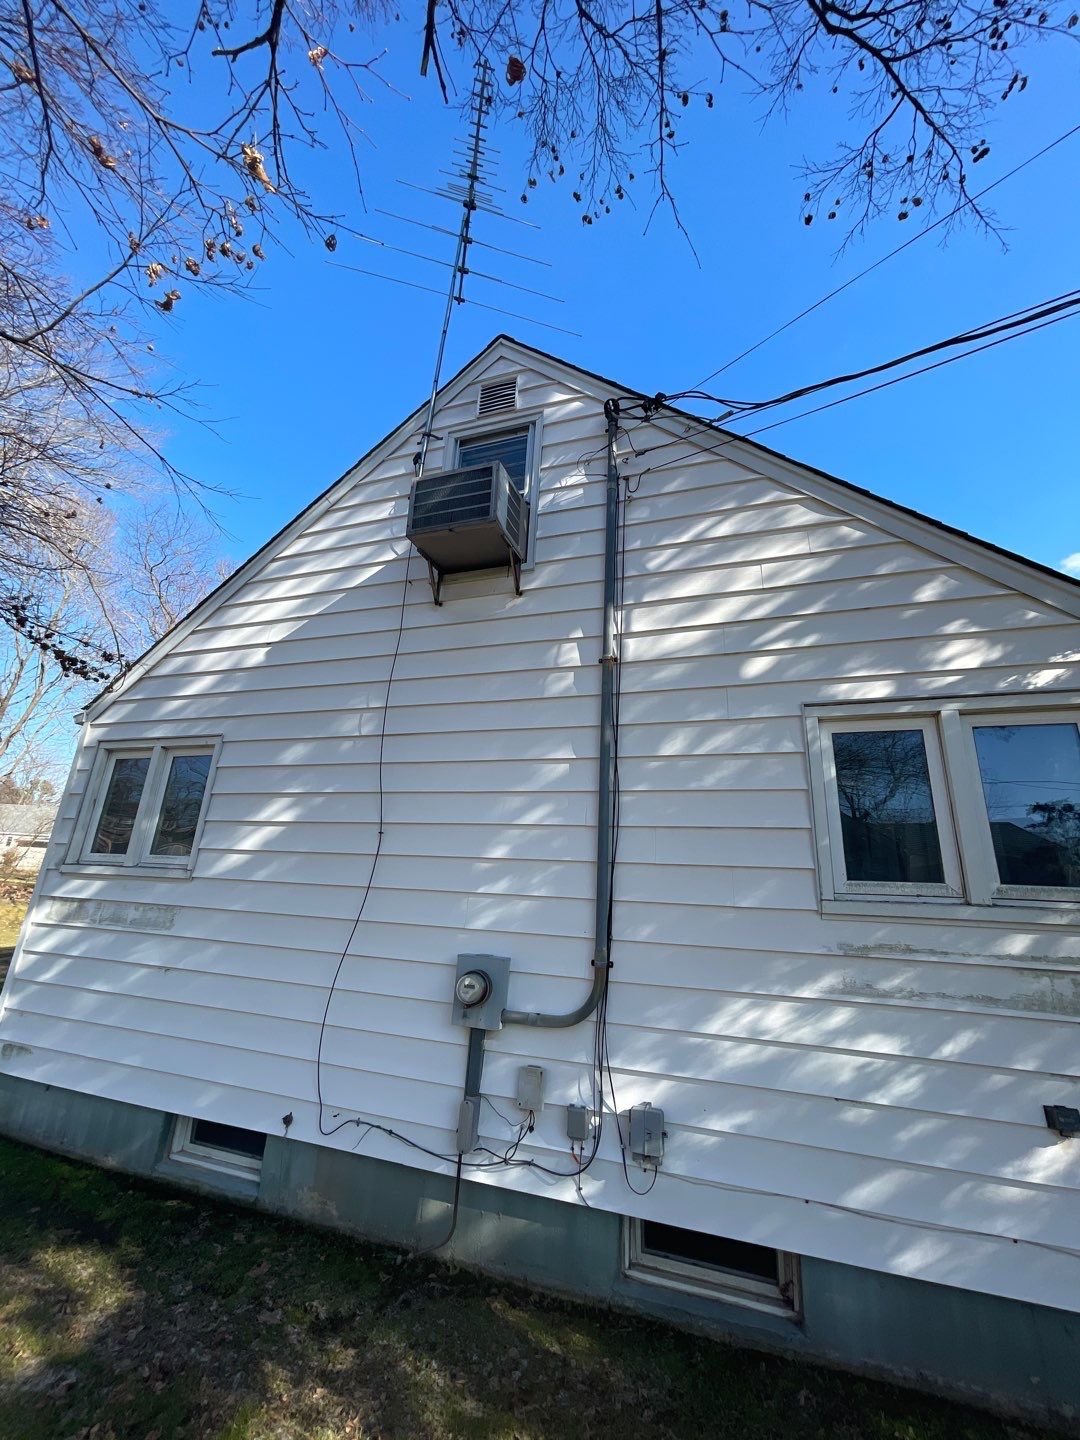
x,y
24,835
650,854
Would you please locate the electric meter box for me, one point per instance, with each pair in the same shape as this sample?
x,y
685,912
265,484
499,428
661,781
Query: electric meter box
x,y
484,1013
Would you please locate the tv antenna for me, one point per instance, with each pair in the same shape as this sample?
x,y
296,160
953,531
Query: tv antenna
x,y
470,185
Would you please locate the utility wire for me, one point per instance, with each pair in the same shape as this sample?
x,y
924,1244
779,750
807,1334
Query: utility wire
x,y
1069,300
1015,326
896,379
809,310
376,854
843,399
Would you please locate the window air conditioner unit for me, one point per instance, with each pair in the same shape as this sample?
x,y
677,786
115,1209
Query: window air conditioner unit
x,y
474,519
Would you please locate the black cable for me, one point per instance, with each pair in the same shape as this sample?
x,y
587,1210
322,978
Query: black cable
x,y
375,856
922,370
943,220
1016,323
734,437
601,1058
1068,300
430,1249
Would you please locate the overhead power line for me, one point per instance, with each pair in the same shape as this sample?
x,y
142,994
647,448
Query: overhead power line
x,y
1014,321
923,370
1035,319
926,230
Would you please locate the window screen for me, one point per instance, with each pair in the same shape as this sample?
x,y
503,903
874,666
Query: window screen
x,y
887,814
509,447
1031,785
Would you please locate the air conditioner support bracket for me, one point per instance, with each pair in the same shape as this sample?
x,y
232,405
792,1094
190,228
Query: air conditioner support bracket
x,y
435,579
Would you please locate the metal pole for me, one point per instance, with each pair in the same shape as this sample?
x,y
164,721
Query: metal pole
x,y
605,805
481,96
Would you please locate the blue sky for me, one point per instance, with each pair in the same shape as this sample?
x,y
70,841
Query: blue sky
x,y
317,363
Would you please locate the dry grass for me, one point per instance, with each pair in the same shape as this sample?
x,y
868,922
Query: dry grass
x,y
129,1313
14,898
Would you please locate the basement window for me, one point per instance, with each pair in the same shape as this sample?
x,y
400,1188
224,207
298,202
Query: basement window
x,y
712,1265
145,805
214,1146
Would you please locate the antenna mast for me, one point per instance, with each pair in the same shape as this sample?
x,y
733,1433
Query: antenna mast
x,y
471,197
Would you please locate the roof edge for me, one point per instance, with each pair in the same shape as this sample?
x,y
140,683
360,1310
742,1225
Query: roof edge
x,y
1069,585
220,593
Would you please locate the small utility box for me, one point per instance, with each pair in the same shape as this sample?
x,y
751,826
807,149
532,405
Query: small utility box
x,y
530,1089
646,1125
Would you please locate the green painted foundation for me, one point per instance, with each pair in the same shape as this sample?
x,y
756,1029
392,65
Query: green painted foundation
x,y
1007,1356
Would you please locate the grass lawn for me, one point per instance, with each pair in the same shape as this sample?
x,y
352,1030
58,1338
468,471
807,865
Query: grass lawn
x,y
14,898
132,1313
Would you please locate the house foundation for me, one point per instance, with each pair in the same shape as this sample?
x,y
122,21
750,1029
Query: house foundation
x,y
1007,1356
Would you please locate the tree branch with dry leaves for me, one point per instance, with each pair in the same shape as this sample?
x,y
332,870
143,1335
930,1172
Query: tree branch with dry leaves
x,y
125,188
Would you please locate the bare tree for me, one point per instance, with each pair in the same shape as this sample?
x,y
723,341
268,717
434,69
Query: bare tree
x,y
147,567
124,186
166,560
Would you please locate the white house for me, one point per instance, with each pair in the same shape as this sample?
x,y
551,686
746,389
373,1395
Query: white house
x,y
826,1097
24,835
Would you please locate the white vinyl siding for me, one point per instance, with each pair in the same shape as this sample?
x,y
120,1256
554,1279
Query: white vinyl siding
x,y
866,1088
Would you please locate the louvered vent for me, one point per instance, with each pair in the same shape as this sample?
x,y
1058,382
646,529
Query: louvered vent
x,y
496,396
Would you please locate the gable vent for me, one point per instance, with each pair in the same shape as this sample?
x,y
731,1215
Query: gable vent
x,y
496,396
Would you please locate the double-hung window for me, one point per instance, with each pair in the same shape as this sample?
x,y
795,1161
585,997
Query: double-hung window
x,y
145,805
966,804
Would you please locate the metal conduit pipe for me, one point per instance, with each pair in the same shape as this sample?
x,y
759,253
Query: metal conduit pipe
x,y
605,807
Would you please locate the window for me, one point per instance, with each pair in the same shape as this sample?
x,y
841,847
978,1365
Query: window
x,y
145,805
971,802
509,447
1031,786
733,1270
885,809
215,1146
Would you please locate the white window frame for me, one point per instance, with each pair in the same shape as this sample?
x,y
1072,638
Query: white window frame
x,y
961,808
952,886
783,1298
210,1157
137,859
476,429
